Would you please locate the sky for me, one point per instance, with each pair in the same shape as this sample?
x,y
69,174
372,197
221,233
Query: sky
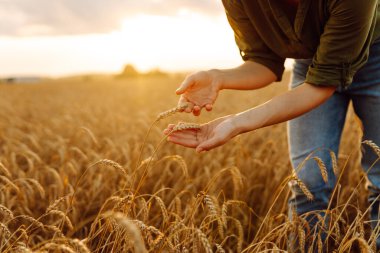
x,y
66,37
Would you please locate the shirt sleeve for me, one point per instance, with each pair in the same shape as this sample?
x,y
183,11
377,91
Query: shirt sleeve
x,y
344,44
249,42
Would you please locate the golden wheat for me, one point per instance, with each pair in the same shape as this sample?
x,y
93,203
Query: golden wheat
x,y
374,147
322,168
301,238
303,188
6,212
334,163
185,126
170,112
52,202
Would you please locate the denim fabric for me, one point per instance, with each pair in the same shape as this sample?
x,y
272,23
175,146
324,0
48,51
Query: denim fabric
x,y
320,130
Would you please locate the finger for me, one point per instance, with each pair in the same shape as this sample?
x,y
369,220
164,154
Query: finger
x,y
169,128
188,82
209,144
196,113
189,143
208,107
196,110
182,102
189,107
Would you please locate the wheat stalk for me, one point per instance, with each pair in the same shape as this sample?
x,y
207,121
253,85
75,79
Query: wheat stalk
x,y
334,163
374,147
6,212
56,247
179,159
56,203
55,230
21,248
112,164
131,228
8,182
123,203
62,215
5,170
240,234
170,112
219,248
303,188
79,245
204,241
319,243
31,220
322,168
186,126
301,238
214,210
162,206
149,230
5,231
210,205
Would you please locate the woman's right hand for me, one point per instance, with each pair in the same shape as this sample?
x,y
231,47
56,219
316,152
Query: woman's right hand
x,y
200,90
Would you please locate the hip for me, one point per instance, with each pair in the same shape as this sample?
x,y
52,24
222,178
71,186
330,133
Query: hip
x,y
367,76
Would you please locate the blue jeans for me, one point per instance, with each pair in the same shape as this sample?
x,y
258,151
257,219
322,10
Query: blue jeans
x,y
320,131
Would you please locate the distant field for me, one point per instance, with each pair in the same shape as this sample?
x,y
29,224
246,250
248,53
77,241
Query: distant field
x,y
59,194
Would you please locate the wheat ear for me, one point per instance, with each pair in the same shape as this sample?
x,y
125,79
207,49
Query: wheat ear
x,y
374,147
322,168
184,126
303,188
334,163
170,112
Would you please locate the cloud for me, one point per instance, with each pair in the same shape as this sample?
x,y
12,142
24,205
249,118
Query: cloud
x,y
71,17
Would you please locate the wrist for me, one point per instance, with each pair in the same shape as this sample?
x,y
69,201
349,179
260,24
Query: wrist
x,y
239,124
245,122
218,78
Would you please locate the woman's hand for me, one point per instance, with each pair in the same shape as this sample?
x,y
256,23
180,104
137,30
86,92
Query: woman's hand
x,y
209,136
200,90
279,109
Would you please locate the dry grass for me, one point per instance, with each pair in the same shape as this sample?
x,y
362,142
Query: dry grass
x,y
75,178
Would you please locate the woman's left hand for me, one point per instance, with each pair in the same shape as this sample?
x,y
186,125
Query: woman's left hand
x,y
211,135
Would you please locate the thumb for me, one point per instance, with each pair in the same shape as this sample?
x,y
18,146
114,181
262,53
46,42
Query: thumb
x,y
209,144
188,82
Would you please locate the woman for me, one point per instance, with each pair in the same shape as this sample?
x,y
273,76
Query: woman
x,y
337,50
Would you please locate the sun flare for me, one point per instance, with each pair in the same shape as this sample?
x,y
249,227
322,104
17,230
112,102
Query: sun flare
x,y
185,41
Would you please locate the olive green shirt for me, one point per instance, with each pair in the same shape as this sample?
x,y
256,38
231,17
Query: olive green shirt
x,y
336,34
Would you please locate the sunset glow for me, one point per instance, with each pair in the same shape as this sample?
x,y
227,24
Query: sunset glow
x,y
186,40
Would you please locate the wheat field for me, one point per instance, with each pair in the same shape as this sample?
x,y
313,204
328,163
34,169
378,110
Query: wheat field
x,y
74,176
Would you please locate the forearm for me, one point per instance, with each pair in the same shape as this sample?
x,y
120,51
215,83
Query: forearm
x,y
282,108
248,76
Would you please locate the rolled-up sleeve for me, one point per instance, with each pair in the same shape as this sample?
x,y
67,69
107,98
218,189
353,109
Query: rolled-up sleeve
x,y
344,44
250,44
